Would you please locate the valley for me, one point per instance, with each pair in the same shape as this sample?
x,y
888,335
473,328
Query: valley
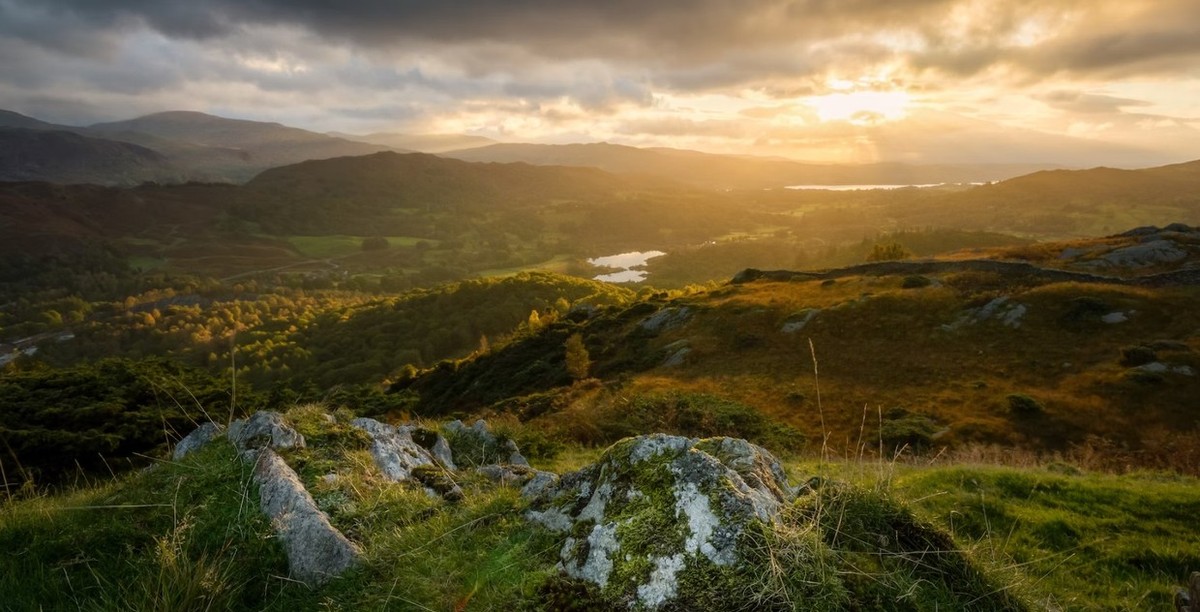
x,y
927,350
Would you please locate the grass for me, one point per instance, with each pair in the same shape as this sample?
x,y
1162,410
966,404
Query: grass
x,y
1072,540
876,535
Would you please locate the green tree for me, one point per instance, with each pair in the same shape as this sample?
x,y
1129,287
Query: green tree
x,y
375,243
578,359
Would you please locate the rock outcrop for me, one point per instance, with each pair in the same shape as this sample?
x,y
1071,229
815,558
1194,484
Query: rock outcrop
x,y
316,551
656,508
200,436
477,445
399,457
264,429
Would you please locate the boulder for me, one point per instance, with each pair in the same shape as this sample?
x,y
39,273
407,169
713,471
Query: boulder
x,y
264,429
1187,599
316,551
200,436
400,458
677,353
657,511
1001,309
1145,254
395,453
666,319
799,320
477,445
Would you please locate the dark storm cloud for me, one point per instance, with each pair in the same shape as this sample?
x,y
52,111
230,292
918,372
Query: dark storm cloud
x,y
682,44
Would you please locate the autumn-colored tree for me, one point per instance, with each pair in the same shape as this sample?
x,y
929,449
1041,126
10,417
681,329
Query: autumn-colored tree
x,y
888,252
578,359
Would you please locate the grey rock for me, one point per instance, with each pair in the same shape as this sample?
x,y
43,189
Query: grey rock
x,y
1187,599
799,321
1170,345
1154,367
538,484
1149,253
264,429
441,452
200,436
666,319
678,356
1113,318
395,453
316,551
514,454
715,488
1008,313
478,440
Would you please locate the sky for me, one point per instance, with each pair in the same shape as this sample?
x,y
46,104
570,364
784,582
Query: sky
x,y
1075,82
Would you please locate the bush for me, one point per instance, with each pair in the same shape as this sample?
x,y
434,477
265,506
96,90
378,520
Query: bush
x,y
915,281
1023,405
1134,356
901,428
375,243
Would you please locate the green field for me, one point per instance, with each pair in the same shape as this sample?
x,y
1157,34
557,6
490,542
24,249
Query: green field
x,y
340,245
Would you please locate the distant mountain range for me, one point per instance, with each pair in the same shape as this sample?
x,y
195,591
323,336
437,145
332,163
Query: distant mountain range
x,y
737,172
192,146
421,143
181,146
185,146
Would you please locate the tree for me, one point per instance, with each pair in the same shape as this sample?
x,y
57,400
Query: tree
x,y
578,359
888,252
375,243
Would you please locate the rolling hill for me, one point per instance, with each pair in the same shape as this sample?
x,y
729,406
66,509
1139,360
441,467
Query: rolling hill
x,y
734,172
229,149
66,157
420,143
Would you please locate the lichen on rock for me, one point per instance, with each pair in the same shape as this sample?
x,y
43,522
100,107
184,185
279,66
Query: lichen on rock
x,y
658,508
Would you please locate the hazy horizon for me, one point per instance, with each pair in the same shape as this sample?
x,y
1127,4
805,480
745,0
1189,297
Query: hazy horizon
x,y
919,81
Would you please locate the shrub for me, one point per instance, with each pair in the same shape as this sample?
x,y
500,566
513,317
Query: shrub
x,y
901,428
915,281
1133,356
1023,405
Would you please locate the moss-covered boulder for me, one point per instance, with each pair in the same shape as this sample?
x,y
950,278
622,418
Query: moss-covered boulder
x,y
660,514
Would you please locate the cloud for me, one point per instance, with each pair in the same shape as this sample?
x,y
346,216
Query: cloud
x,y
583,66
1081,102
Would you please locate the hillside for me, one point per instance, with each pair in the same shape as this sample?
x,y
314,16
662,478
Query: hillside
x,y
420,143
885,389
36,154
423,195
202,143
732,172
949,356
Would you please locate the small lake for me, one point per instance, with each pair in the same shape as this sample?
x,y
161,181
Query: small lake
x,y
858,187
628,264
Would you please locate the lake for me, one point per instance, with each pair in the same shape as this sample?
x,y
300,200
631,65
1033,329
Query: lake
x,y
628,264
858,187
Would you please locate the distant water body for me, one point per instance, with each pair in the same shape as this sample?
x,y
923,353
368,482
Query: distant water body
x,y
858,187
871,187
628,264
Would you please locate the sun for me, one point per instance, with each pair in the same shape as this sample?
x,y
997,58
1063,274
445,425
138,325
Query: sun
x,y
861,107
